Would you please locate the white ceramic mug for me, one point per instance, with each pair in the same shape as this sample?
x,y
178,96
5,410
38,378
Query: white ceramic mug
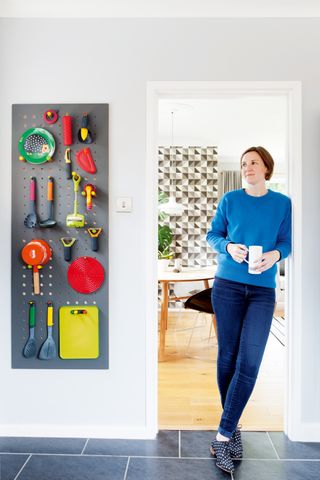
x,y
255,251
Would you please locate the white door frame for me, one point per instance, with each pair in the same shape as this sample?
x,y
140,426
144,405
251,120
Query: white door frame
x,y
293,425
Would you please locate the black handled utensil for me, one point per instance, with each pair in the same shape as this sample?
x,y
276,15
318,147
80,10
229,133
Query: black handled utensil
x,y
31,219
67,157
94,234
48,350
50,222
67,243
84,134
30,349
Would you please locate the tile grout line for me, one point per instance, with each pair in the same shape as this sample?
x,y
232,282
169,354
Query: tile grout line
x,y
274,448
179,447
85,446
154,456
126,470
25,463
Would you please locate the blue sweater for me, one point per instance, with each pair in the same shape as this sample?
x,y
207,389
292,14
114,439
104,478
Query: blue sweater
x,y
242,218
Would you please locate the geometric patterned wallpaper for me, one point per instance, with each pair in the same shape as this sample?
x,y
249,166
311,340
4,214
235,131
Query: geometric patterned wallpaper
x,y
190,174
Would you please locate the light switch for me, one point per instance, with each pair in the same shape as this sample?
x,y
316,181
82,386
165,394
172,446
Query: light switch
x,y
124,204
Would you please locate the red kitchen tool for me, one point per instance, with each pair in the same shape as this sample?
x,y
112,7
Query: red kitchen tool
x,y
35,254
50,116
85,160
85,275
67,129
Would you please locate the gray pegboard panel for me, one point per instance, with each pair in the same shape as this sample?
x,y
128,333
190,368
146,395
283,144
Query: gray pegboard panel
x,y
53,276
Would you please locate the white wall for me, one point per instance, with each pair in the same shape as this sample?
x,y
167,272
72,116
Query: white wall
x,y
164,9
111,61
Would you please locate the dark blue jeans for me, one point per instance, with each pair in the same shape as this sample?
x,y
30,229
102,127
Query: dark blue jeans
x,y
244,315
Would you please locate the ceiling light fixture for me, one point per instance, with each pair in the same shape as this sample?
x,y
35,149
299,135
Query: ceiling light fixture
x,y
172,207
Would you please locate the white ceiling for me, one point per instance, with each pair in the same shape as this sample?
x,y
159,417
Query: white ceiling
x,y
232,124
159,8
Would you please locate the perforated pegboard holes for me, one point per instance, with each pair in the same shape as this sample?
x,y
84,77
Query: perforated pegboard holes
x,y
52,279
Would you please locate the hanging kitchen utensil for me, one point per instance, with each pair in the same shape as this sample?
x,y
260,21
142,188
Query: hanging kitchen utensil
x,y
78,332
67,243
85,160
31,219
84,134
67,157
50,222
94,234
67,130
75,219
30,348
89,191
50,116
85,275
48,350
36,146
35,254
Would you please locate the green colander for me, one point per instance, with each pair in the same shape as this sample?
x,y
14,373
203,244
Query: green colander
x,y
36,145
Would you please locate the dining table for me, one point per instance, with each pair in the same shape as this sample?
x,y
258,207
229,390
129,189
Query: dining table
x,y
167,278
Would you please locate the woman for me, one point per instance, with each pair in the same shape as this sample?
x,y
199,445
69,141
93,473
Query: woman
x,y
244,302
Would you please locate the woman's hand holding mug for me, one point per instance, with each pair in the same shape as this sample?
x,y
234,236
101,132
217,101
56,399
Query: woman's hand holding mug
x,y
267,260
237,251
264,261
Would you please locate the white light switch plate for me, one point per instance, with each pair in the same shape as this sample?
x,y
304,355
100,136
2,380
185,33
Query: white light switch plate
x,y
124,204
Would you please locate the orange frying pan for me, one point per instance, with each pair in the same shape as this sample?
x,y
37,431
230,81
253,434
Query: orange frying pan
x,y
35,254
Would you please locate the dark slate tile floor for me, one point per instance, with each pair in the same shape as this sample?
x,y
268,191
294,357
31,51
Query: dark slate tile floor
x,y
178,455
10,465
167,445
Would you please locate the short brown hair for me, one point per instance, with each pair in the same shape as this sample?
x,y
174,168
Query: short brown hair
x,y
265,157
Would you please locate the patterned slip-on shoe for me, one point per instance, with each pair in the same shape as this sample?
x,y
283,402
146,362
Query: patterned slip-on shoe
x,y
236,449
222,451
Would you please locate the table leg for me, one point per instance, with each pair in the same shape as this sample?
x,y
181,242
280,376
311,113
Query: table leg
x,y
214,320
163,318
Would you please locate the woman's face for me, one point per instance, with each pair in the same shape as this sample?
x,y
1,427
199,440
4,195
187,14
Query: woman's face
x,y
253,169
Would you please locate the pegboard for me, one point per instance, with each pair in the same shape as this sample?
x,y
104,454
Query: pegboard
x,y
54,285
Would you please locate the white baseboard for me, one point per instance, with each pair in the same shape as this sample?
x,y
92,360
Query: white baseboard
x,y
305,432
77,431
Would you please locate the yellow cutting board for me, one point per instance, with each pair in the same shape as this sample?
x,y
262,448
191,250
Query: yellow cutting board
x,y
78,332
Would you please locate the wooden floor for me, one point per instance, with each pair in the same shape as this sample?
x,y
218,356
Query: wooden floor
x,y
188,393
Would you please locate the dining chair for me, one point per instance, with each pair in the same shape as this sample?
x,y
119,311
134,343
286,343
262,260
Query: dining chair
x,y
201,302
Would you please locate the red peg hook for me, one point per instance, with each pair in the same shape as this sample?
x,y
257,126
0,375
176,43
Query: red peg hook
x,y
50,116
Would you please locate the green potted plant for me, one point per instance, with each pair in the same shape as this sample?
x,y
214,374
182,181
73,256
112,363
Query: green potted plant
x,y
165,236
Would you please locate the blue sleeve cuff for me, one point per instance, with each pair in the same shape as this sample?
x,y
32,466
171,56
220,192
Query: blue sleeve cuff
x,y
284,252
225,244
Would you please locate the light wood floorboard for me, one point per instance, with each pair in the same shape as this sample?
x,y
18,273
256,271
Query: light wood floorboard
x,y
188,393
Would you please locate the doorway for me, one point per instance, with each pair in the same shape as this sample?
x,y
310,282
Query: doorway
x,y
205,90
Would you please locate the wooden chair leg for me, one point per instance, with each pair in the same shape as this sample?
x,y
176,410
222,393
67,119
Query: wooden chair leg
x,y
214,322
